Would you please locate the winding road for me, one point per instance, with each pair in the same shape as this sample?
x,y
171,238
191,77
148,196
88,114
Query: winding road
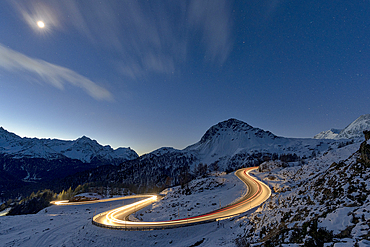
x,y
117,218
258,192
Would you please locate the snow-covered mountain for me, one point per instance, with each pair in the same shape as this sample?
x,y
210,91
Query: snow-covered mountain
x,y
356,128
328,134
353,130
233,140
83,149
24,160
229,137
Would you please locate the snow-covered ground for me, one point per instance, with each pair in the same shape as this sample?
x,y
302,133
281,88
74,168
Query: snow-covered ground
x,y
325,200
71,225
207,194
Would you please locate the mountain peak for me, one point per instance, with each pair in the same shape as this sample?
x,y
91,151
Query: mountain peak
x,y
364,117
83,138
231,123
353,130
234,125
86,140
2,130
328,134
356,128
6,134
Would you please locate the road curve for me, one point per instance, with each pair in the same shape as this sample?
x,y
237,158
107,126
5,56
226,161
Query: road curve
x,y
258,192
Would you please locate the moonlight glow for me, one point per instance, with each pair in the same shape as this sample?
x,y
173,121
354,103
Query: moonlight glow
x,y
41,24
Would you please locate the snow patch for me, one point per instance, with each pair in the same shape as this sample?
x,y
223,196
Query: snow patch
x,y
338,220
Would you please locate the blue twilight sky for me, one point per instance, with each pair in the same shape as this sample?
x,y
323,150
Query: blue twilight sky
x,y
147,74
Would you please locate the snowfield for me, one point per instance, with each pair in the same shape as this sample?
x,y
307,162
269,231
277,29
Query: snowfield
x,y
71,225
207,194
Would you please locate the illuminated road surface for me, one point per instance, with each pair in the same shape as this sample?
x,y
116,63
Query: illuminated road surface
x,y
66,202
258,192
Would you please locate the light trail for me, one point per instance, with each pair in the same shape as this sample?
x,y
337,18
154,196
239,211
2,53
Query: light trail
x,y
66,202
258,192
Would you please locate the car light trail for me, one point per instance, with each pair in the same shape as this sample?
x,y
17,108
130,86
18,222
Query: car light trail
x,y
258,192
66,202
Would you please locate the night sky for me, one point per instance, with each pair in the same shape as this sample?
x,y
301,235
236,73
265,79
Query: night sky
x,y
148,74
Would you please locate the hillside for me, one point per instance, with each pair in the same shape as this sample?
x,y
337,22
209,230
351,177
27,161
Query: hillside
x,y
324,201
352,131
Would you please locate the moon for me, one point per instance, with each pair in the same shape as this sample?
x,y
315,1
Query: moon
x,y
41,24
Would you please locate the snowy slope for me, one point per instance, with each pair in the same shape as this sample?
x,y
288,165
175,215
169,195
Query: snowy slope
x,y
83,148
18,147
356,128
324,201
71,225
206,195
353,130
328,134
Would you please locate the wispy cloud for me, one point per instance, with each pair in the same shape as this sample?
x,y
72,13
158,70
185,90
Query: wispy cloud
x,y
213,18
55,75
148,36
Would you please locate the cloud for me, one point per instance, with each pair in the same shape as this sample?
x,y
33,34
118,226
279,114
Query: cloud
x,y
146,36
55,75
213,17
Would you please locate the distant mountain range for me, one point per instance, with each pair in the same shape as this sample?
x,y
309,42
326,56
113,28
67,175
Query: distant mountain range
x,y
353,130
26,160
83,149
